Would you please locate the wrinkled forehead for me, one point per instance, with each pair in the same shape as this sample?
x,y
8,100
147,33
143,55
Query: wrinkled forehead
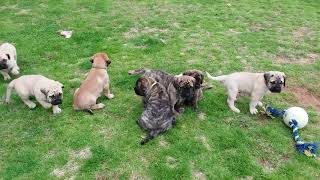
x,y
276,75
55,89
3,56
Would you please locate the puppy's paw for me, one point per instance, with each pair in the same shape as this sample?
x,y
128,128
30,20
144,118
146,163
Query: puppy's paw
x,y
56,110
7,78
253,111
235,110
15,72
110,96
31,105
100,106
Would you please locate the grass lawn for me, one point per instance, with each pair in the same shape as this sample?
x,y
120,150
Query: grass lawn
x,y
216,36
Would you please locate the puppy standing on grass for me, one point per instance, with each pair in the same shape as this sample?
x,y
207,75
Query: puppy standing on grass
x,y
256,85
198,87
157,116
46,91
97,81
8,60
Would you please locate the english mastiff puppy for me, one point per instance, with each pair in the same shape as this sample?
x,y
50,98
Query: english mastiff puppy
x,y
157,116
256,85
8,60
46,91
96,83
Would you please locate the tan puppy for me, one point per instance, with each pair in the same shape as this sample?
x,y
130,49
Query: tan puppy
x,y
256,85
8,60
97,81
46,91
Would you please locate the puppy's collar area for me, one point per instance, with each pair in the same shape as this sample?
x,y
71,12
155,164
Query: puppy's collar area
x,y
99,67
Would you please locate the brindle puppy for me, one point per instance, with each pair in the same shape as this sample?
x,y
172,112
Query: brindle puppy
x,y
160,76
157,116
198,87
181,90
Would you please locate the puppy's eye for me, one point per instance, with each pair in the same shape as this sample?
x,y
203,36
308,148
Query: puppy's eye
x,y
51,96
272,82
60,94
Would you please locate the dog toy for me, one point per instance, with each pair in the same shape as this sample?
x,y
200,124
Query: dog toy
x,y
296,118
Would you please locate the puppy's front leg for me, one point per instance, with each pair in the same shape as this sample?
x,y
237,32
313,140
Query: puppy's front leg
x,y
56,109
106,91
15,70
28,102
44,104
5,75
254,102
195,104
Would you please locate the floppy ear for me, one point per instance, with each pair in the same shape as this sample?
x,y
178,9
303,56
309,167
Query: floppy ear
x,y
266,78
8,56
108,62
176,83
45,92
60,84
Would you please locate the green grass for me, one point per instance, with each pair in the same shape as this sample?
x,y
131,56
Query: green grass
x,y
215,36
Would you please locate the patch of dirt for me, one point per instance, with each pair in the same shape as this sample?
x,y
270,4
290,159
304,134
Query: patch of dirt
x,y
305,98
267,164
106,133
204,141
202,116
256,27
82,154
171,162
23,12
163,143
232,32
70,168
307,59
198,175
135,32
136,176
302,33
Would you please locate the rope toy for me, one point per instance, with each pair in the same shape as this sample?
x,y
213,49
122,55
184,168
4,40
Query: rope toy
x,y
296,118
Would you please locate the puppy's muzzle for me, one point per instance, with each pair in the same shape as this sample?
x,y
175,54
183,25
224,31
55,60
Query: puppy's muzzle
x,y
3,65
56,102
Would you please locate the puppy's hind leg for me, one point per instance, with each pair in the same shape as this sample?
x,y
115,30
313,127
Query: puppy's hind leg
x,y
28,102
152,134
97,106
9,90
232,97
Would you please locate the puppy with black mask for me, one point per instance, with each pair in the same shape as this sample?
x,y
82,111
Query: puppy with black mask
x,y
8,60
157,116
256,85
46,91
198,88
181,90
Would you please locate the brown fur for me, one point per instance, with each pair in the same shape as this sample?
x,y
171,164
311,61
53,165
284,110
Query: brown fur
x,y
97,82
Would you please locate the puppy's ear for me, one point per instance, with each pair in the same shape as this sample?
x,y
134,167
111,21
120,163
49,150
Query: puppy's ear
x,y
266,78
108,62
139,88
60,84
8,56
91,59
176,83
45,92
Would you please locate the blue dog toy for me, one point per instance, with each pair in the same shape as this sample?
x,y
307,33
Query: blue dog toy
x,y
296,118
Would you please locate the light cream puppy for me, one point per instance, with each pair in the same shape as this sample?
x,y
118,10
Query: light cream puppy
x,y
8,60
46,91
255,85
97,82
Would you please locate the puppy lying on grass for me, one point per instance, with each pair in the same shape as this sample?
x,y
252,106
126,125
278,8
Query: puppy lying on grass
x,y
157,116
180,88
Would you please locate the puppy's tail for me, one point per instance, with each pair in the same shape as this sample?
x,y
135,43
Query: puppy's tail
x,y
218,78
88,111
137,71
9,90
150,136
